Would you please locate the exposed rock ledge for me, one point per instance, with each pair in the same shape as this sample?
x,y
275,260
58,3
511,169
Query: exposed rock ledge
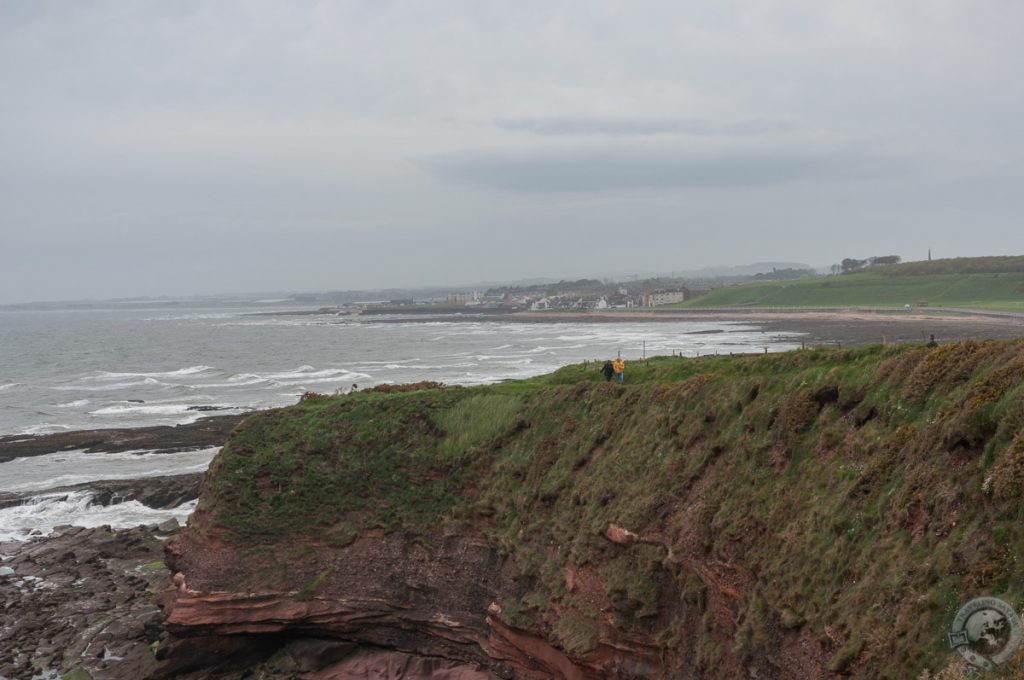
x,y
404,603
160,493
210,431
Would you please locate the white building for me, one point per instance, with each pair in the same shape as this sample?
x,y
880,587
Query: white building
x,y
664,297
464,298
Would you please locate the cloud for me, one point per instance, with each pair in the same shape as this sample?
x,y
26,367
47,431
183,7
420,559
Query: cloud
x,y
349,144
637,127
584,170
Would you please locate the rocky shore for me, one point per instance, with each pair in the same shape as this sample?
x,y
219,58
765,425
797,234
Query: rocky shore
x,y
81,603
210,431
847,328
154,492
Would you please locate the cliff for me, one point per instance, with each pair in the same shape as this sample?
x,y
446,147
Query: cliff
x,y
818,513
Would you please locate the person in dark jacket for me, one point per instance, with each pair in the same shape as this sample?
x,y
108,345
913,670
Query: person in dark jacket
x,y
608,370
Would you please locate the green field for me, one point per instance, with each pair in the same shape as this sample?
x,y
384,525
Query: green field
x,y
1004,291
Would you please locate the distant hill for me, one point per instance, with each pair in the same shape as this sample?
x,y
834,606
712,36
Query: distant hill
x,y
742,270
1002,264
980,282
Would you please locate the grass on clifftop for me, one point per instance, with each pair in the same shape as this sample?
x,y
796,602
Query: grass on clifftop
x,y
860,496
875,289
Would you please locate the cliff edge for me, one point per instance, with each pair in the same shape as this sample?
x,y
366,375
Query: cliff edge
x,y
817,513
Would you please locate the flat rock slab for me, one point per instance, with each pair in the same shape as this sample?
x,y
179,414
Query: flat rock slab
x,y
211,431
81,600
159,493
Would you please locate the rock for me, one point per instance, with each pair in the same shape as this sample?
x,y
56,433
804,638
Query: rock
x,y
620,536
391,665
160,493
312,654
78,611
170,526
209,431
210,652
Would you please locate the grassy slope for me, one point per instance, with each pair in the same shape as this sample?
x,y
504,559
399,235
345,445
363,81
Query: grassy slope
x,y
991,291
870,518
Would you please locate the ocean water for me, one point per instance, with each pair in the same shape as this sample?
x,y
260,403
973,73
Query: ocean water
x,y
136,366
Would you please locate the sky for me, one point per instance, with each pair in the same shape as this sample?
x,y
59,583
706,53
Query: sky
x,y
176,148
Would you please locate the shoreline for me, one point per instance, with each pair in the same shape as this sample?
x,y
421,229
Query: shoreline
x,y
815,328
202,433
821,326
844,327
681,314
120,571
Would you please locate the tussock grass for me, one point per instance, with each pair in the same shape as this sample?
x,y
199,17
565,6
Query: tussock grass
x,y
475,421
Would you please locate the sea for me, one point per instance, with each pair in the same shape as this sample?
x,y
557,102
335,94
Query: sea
x,y
142,364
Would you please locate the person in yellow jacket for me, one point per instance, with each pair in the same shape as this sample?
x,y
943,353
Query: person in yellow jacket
x,y
619,365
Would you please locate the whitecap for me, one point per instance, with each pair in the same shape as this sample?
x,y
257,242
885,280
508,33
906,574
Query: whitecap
x,y
243,378
7,386
67,468
391,362
347,377
112,386
190,370
43,428
308,372
255,380
150,409
41,514
73,404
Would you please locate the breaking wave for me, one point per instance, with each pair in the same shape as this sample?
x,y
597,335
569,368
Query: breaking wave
x,y
145,382
67,468
38,515
191,370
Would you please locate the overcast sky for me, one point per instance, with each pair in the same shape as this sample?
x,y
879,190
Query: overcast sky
x,y
151,148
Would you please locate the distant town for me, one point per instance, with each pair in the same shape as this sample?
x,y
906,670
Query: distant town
x,y
578,295
779,282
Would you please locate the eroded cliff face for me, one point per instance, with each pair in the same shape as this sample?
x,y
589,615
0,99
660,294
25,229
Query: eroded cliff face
x,y
806,515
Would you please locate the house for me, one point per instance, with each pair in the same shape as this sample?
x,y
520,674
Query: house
x,y
663,297
670,297
464,298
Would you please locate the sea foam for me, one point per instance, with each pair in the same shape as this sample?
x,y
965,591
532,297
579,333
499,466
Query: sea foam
x,y
40,514
190,370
